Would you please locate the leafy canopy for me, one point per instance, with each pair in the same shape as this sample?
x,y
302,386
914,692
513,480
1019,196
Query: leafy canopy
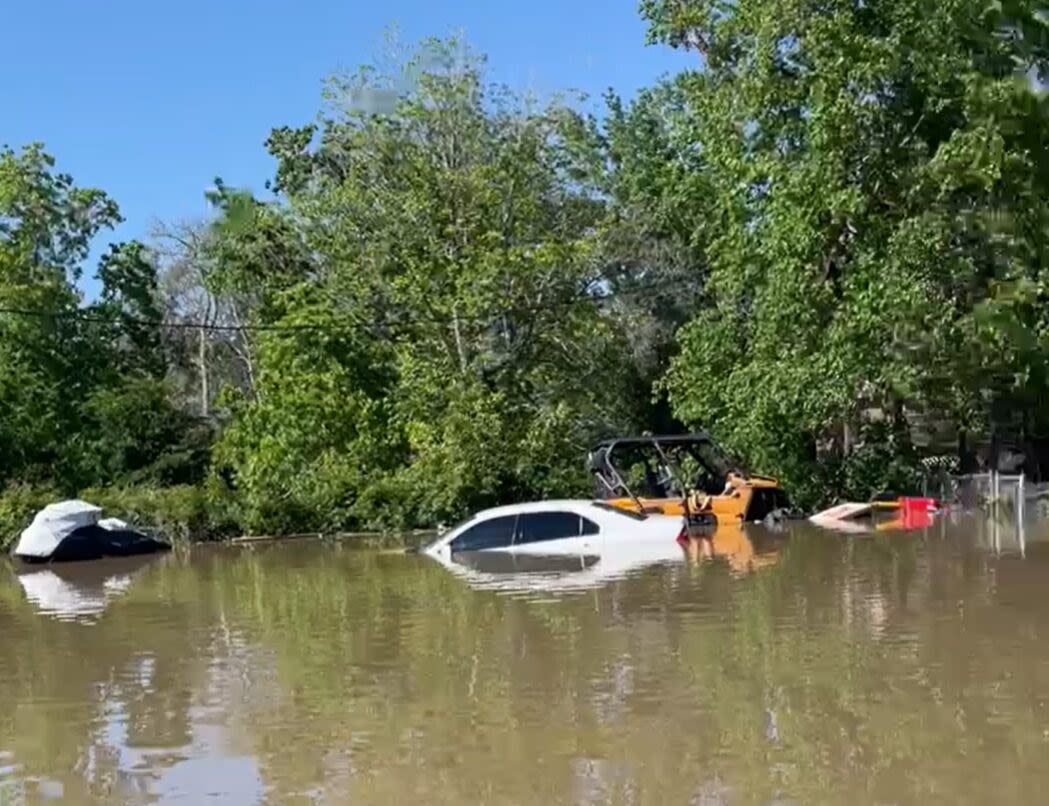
x,y
877,225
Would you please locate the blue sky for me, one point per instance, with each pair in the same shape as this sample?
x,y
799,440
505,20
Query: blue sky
x,y
151,100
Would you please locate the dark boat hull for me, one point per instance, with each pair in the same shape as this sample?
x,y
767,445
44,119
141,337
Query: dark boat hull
x,y
95,543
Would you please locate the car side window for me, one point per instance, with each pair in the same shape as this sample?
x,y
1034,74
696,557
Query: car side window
x,y
589,527
494,533
536,527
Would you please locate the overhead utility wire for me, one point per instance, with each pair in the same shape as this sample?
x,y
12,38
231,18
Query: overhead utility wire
x,y
82,315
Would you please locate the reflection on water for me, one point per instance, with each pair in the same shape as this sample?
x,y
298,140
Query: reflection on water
x,y
500,563
527,574
79,591
800,668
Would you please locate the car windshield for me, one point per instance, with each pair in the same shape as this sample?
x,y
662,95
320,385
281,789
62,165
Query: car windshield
x,y
442,533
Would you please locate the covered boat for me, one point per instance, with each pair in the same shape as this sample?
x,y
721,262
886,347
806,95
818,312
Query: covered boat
x,y
75,530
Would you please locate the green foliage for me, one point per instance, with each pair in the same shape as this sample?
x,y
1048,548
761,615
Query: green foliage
x,y
456,367
878,188
46,224
130,433
18,504
835,229
83,398
130,299
881,463
175,511
178,512
317,430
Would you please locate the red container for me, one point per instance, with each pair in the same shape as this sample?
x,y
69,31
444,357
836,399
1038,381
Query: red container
x,y
918,504
916,513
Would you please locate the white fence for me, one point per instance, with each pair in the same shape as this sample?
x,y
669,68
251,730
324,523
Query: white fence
x,y
1002,494
1014,510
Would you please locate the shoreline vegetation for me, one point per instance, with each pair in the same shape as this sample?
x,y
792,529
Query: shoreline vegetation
x,y
181,515
827,246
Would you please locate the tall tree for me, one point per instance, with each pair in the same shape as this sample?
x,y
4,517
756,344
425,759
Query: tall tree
x,y
878,228
46,227
83,394
453,253
640,160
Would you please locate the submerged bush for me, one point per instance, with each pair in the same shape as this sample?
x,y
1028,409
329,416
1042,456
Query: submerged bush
x,y
174,513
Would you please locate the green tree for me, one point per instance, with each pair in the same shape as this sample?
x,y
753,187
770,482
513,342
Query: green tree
x,y
641,160
83,394
46,226
877,231
130,299
454,248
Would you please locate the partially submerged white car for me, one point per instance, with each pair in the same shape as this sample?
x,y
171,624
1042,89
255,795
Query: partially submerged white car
x,y
556,546
555,528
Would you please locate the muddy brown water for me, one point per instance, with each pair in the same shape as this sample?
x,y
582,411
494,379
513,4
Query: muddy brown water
x,y
804,667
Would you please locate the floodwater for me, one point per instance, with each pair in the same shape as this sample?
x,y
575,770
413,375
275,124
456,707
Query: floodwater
x,y
803,667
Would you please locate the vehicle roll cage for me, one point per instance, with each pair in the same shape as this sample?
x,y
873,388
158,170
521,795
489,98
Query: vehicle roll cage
x,y
699,447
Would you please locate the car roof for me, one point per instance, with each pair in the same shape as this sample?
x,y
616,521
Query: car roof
x,y
571,504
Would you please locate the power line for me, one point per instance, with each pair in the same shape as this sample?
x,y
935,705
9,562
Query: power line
x,y
86,316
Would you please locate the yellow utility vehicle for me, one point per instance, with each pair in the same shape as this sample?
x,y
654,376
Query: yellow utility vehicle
x,y
682,475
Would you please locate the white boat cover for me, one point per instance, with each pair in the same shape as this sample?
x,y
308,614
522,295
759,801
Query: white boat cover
x,y
53,524
844,518
114,524
843,512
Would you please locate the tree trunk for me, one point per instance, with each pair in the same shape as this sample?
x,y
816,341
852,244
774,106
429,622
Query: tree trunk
x,y
202,356
242,348
459,340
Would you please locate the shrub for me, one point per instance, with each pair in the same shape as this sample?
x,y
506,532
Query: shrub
x,y
18,504
175,513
